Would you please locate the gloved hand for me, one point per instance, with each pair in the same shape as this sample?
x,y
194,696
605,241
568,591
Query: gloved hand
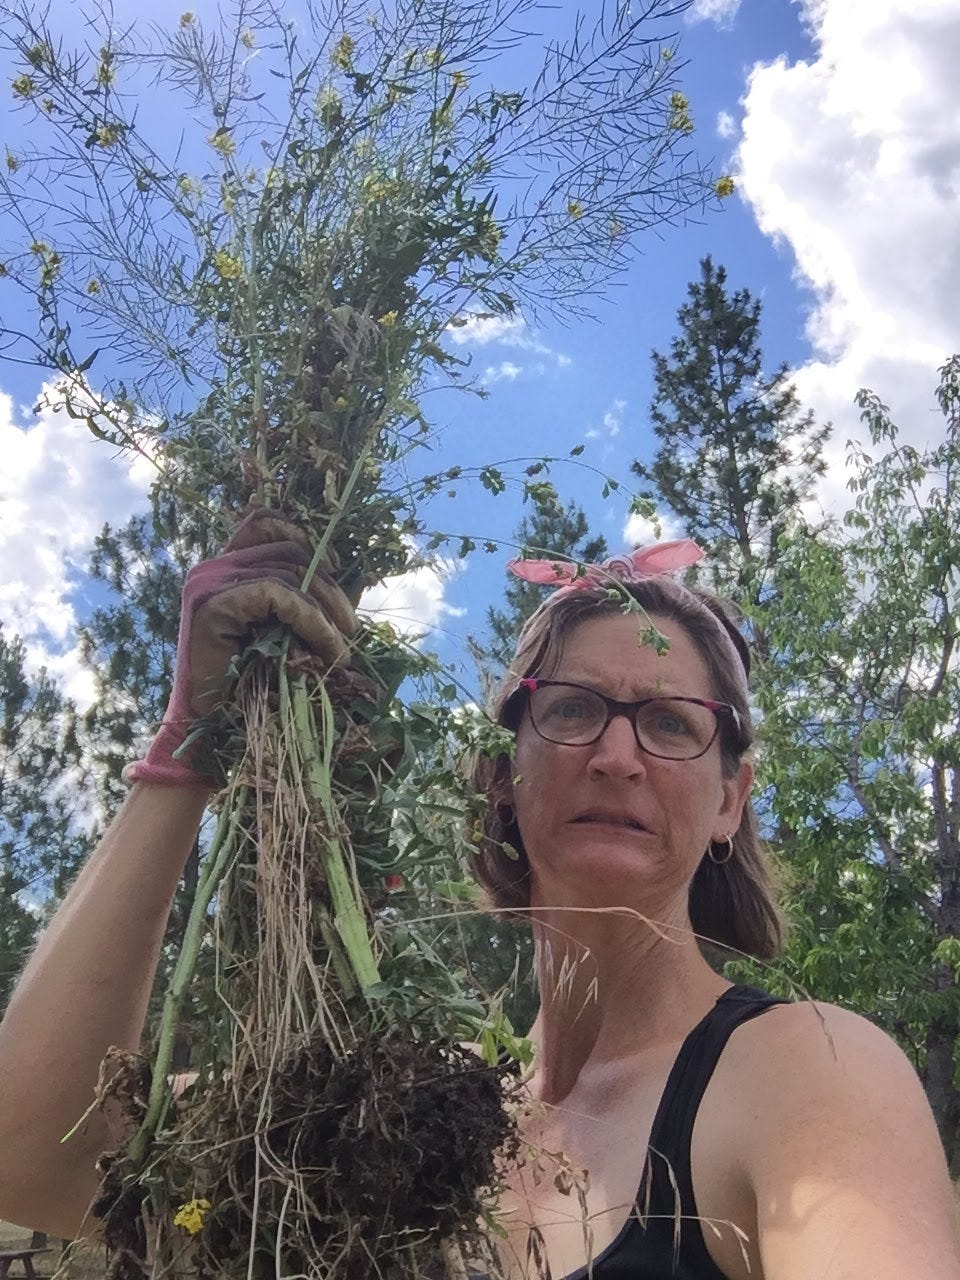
x,y
256,580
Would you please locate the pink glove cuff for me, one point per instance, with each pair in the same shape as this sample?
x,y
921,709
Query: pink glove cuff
x,y
158,765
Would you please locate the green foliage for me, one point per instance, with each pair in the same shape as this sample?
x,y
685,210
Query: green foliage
x,y
42,829
737,455
860,703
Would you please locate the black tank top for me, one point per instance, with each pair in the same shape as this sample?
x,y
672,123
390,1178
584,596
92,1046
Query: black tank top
x,y
653,1244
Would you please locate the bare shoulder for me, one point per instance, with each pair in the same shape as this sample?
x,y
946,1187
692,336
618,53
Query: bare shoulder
x,y
838,1128
810,1059
822,1035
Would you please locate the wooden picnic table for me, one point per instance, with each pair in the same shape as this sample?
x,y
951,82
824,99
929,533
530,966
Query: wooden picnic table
x,y
26,1256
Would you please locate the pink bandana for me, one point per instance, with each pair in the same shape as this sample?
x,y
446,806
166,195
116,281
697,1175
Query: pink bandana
x,y
635,566
648,562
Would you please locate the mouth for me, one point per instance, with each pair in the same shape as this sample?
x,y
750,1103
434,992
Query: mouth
x,y
611,820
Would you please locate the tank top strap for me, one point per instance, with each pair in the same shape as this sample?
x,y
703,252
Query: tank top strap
x,y
666,1201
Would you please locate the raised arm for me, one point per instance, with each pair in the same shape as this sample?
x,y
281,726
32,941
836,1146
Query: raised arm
x,y
86,988
88,984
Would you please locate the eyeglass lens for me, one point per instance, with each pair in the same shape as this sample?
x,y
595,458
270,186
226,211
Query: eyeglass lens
x,y
667,727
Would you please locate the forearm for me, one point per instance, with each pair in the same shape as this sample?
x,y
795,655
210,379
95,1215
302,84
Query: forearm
x,y
85,988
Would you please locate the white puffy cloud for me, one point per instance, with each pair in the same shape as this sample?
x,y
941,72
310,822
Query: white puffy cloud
x,y
722,12
852,160
478,331
58,485
505,370
726,125
507,331
613,418
611,423
413,602
642,531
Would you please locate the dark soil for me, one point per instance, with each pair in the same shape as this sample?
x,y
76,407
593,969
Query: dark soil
x,y
392,1147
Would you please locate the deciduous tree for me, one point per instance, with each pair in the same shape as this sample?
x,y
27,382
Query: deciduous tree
x,y
860,703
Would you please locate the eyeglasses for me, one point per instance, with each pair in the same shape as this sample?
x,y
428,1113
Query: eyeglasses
x,y
670,728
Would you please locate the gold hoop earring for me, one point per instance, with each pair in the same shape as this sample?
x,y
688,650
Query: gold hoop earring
x,y
719,862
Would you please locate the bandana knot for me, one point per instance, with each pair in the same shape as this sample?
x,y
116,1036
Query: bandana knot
x,y
632,566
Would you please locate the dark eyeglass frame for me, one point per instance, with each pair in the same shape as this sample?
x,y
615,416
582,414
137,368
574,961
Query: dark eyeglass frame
x,y
722,711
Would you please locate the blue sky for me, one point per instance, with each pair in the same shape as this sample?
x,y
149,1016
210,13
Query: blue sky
x,y
839,120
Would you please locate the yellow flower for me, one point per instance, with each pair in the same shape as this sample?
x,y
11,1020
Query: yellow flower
x,y
432,58
615,228
246,39
190,1215
38,247
328,104
226,265
187,185
222,143
490,235
93,286
575,209
724,186
13,164
50,269
109,134
387,320
38,54
24,87
680,113
341,402
106,72
342,55
460,79
47,105
186,19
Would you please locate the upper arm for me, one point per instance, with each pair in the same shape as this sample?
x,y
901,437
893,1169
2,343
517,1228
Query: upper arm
x,y
845,1159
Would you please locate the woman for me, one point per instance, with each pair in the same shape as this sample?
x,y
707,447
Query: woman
x,y
786,1146
805,1149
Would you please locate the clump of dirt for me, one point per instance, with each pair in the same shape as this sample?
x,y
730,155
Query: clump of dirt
x,y
389,1147
122,1092
119,1207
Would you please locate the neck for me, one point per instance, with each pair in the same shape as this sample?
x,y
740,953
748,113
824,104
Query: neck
x,y
612,984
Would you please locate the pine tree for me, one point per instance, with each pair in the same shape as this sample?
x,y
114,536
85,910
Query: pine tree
x,y
553,530
42,832
738,455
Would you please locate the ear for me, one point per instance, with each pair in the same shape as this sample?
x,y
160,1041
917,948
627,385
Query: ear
x,y
736,792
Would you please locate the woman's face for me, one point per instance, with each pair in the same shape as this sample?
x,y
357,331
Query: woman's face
x,y
607,823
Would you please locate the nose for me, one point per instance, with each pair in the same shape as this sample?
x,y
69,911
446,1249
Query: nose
x,y
617,753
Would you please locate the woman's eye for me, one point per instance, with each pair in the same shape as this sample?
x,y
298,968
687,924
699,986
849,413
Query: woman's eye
x,y
670,723
571,709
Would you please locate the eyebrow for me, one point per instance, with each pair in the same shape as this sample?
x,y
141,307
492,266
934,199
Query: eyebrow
x,y
597,682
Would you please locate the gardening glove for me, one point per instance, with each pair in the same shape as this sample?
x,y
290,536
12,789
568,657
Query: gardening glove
x,y
255,581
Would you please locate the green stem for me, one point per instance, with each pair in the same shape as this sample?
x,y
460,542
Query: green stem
x,y
348,916
335,516
219,855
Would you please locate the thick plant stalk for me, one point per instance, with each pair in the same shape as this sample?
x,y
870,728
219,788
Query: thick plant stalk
x,y
348,915
349,919
221,851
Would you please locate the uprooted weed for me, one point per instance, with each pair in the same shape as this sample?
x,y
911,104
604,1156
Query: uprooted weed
x,y
393,1143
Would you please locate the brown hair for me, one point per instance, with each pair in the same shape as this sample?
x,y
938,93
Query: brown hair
x,y
731,904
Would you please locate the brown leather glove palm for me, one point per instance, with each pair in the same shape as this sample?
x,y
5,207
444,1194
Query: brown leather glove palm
x,y
255,581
